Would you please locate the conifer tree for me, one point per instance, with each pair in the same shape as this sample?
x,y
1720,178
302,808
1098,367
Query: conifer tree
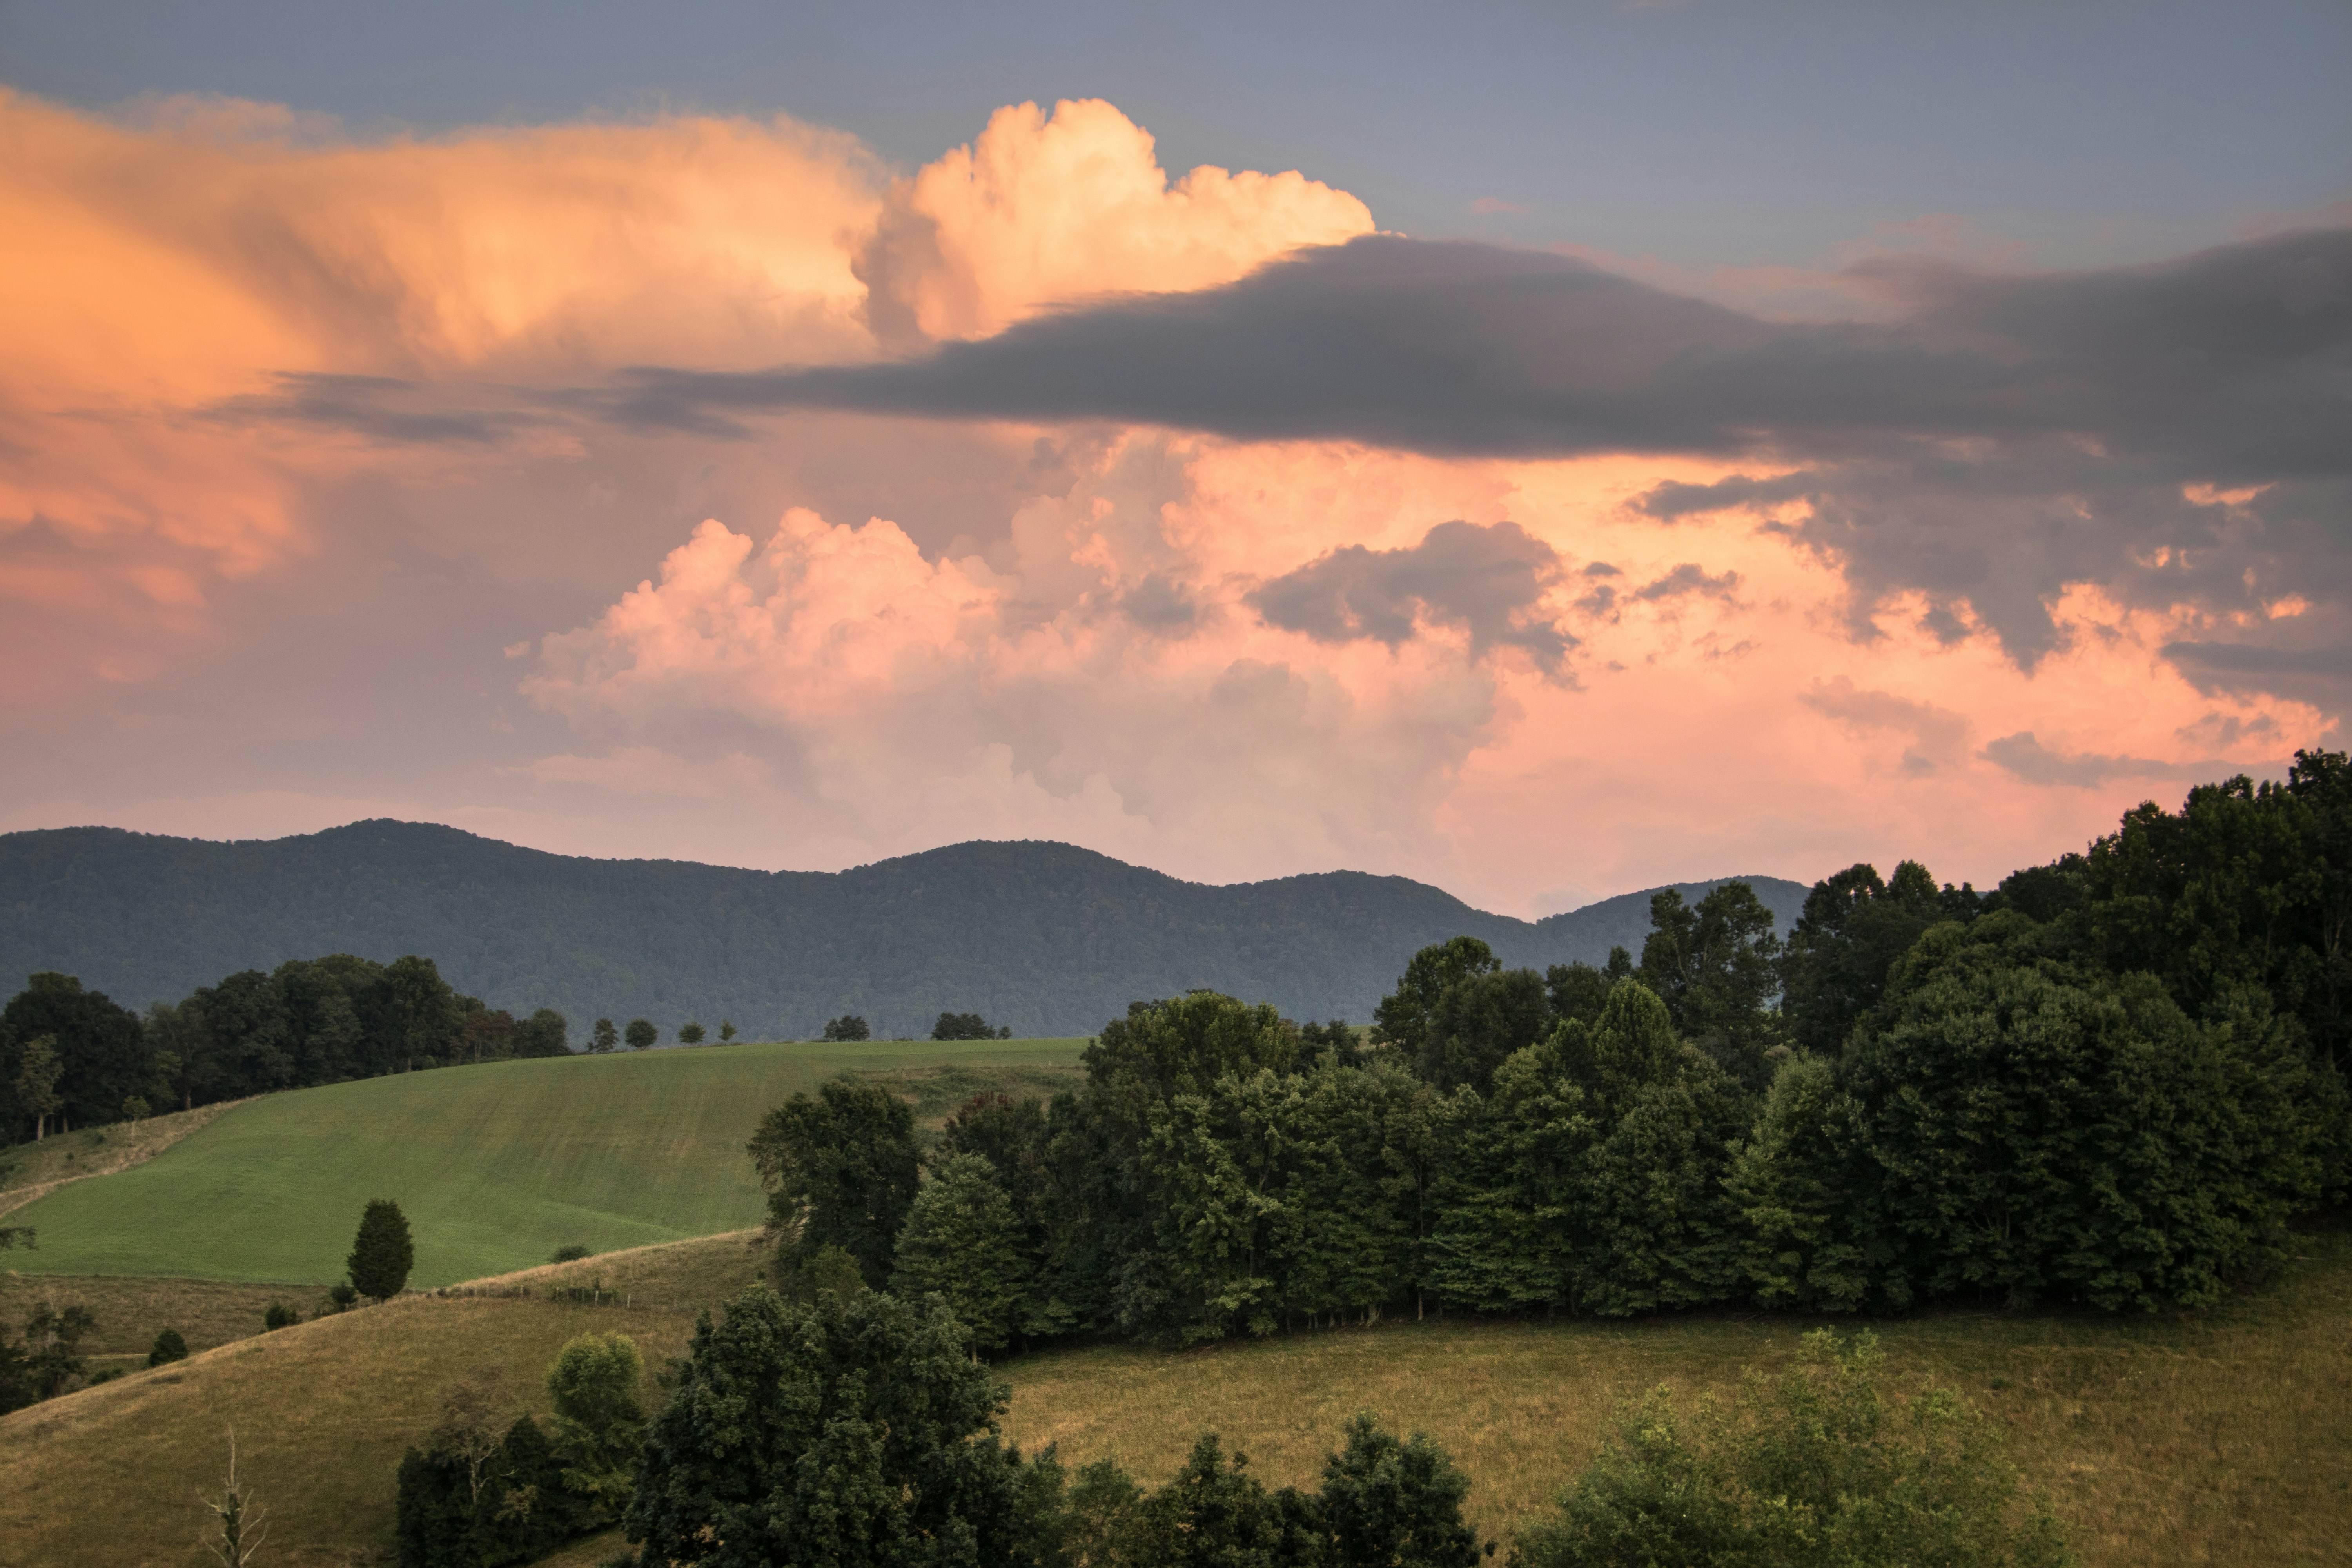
x,y
383,1253
963,1242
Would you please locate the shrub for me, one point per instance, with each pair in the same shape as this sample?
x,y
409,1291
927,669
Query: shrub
x,y
280,1316
572,1254
1814,1467
342,1295
690,1034
964,1026
169,1347
849,1027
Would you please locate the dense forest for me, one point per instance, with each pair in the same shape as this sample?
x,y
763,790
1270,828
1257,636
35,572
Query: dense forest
x,y
1044,938
70,1057
2112,1081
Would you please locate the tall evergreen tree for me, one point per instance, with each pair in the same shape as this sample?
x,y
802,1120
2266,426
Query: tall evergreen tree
x,y
1391,1504
381,1253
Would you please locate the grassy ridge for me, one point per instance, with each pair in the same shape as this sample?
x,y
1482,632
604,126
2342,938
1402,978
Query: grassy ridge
x,y
2219,1438
496,1166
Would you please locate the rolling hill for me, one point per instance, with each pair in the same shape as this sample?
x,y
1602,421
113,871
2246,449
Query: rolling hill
x,y
496,1166
1046,938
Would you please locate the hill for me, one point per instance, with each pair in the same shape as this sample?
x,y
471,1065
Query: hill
x,y
2222,1437
497,1166
1046,938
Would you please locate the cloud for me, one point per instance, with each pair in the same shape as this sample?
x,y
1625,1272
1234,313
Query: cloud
x,y
1937,734
1687,578
2030,761
1488,581
1043,211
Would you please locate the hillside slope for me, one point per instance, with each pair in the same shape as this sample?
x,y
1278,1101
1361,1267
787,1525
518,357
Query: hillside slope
x,y
1047,938
495,1165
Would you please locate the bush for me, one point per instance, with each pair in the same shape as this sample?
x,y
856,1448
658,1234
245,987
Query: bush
x,y
280,1316
849,1027
572,1254
169,1347
1814,1467
342,1295
640,1033
965,1027
689,1035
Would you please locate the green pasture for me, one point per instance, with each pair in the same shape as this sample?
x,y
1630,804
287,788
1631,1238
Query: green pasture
x,y
496,1166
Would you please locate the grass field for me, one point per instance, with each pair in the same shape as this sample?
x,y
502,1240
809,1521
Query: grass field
x,y
496,1166
2221,1439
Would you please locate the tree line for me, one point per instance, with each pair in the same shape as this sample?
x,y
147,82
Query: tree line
x,y
858,1429
73,1057
2113,1081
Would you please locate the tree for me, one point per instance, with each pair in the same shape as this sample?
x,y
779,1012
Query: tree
x,y
1578,991
603,1037
52,1357
1478,1020
849,1027
1816,1466
726,1030
101,1048
241,1522
2042,1131
1213,1513
280,1316
640,1033
840,1170
1402,1019
383,1253
169,1347
596,1383
690,1034
546,1032
858,1432
1386,1504
962,1241
1716,968
962,1027
37,1083
1851,931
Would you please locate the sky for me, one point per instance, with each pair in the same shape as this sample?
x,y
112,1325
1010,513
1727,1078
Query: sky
x,y
1542,450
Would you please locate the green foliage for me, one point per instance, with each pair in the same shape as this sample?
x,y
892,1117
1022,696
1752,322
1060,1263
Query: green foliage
x,y
343,1294
280,1316
726,1031
50,1358
596,1383
963,1242
840,1170
572,1253
798,1275
1804,1184
856,1431
169,1347
1818,1466
849,1027
1213,1515
1387,1504
962,1027
1715,967
1402,1017
2042,1131
1476,1021
1578,991
474,1499
603,1037
38,1069
691,1034
640,1035
381,1253
1853,928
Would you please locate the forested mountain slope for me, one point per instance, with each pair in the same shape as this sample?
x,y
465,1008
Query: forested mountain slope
x,y
1046,938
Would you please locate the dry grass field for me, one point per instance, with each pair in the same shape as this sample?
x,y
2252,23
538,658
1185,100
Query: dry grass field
x,y
2221,1439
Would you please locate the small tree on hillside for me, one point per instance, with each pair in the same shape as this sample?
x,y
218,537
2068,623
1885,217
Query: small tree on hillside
x,y
726,1030
603,1037
963,1241
849,1027
640,1033
37,1083
169,1347
691,1034
382,1254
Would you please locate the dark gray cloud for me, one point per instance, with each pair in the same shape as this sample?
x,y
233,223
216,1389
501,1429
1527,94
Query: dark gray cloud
x,y
1487,580
1688,578
387,410
2232,362
2036,763
1158,604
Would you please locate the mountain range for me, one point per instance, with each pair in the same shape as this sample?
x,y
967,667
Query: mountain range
x,y
1046,938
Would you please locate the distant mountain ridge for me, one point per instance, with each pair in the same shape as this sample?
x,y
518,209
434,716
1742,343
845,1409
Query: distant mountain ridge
x,y
1047,938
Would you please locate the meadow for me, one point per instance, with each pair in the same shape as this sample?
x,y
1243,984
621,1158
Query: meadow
x,y
2217,1438
496,1166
